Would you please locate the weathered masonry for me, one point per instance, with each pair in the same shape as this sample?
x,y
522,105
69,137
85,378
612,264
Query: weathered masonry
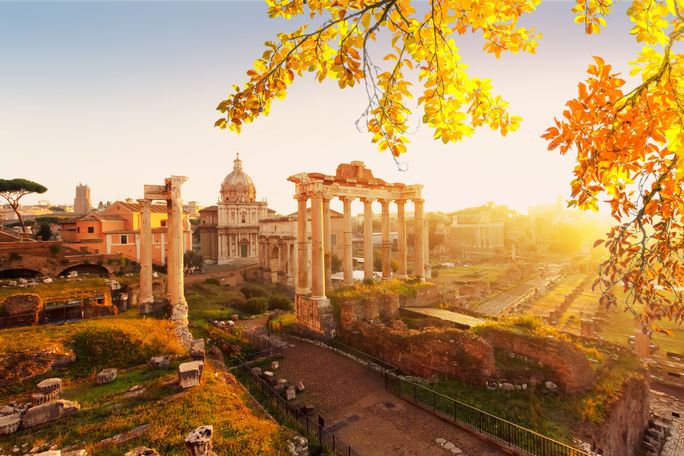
x,y
351,181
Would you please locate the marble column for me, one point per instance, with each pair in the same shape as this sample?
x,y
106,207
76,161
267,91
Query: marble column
x,y
367,238
146,296
348,261
426,251
327,242
401,241
179,305
170,250
303,247
418,249
317,251
386,246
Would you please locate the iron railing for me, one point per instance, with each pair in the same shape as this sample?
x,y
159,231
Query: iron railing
x,y
308,425
508,433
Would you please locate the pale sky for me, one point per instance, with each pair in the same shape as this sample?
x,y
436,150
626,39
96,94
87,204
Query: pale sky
x,y
121,94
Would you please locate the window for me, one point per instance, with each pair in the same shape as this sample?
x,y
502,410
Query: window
x,y
91,229
124,239
333,239
244,220
163,223
78,229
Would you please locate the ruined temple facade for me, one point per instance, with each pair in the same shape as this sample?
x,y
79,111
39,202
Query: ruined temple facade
x,y
230,229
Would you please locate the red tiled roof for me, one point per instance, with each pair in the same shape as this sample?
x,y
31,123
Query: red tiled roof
x,y
135,207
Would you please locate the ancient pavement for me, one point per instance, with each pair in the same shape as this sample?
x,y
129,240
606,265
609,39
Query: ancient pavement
x,y
352,400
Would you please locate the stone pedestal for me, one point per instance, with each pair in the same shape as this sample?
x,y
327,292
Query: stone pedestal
x,y
189,374
197,349
315,313
198,442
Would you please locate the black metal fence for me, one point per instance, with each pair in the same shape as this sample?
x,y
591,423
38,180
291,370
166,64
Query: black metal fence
x,y
508,433
309,425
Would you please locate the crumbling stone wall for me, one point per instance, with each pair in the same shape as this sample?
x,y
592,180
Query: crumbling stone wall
x,y
569,364
452,352
623,429
381,307
430,296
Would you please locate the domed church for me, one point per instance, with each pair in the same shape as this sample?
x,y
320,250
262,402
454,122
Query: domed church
x,y
230,229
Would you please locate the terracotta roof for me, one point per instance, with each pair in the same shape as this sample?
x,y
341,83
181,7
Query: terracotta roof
x,y
99,217
209,209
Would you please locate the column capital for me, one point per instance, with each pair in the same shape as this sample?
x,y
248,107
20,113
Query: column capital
x,y
367,200
145,202
346,199
384,202
418,200
301,198
400,202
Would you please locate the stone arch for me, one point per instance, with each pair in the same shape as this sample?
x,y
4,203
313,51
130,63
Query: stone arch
x,y
86,268
16,273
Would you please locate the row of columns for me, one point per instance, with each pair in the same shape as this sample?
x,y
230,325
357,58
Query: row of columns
x,y
321,243
489,236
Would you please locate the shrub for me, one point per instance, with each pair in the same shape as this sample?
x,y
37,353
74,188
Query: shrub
x,y
251,290
14,256
254,306
279,301
281,322
55,249
212,281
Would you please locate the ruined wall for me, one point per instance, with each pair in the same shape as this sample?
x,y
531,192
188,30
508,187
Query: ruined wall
x,y
452,352
382,307
569,364
430,296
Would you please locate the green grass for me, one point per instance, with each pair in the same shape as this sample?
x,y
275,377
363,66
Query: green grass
x,y
207,302
487,273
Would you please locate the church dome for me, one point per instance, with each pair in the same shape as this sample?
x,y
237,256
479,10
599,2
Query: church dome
x,y
237,186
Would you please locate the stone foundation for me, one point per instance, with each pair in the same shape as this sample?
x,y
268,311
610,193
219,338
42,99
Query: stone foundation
x,y
316,314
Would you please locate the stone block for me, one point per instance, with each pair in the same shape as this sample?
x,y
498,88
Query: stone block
x,y
50,384
82,452
189,374
197,349
159,362
142,451
47,412
267,375
274,365
42,398
300,386
106,376
49,453
298,446
282,381
198,442
308,409
256,371
9,423
290,393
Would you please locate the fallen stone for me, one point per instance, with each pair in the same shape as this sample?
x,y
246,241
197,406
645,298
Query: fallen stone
x,y
256,371
142,451
106,376
82,452
300,386
42,398
9,423
47,412
298,446
267,375
159,362
49,453
197,349
507,386
440,441
189,374
550,386
134,391
198,442
235,317
449,446
274,365
118,439
290,393
50,384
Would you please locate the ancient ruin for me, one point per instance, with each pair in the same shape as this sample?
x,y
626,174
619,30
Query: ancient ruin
x,y
351,181
171,193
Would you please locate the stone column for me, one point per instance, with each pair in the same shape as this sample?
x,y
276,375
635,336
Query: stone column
x,y
317,251
303,247
367,238
426,251
178,303
327,242
386,246
170,248
401,242
146,297
418,248
348,261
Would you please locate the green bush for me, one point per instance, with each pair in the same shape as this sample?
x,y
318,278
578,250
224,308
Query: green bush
x,y
212,281
279,301
251,290
254,306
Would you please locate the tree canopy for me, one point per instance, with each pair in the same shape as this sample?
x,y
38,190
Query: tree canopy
x,y
628,140
12,190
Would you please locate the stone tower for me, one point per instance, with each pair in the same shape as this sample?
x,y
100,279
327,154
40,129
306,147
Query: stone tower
x,y
82,200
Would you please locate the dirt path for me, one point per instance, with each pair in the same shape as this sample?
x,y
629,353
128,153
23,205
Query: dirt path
x,y
354,403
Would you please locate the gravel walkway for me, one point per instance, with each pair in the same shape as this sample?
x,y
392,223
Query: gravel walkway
x,y
352,400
